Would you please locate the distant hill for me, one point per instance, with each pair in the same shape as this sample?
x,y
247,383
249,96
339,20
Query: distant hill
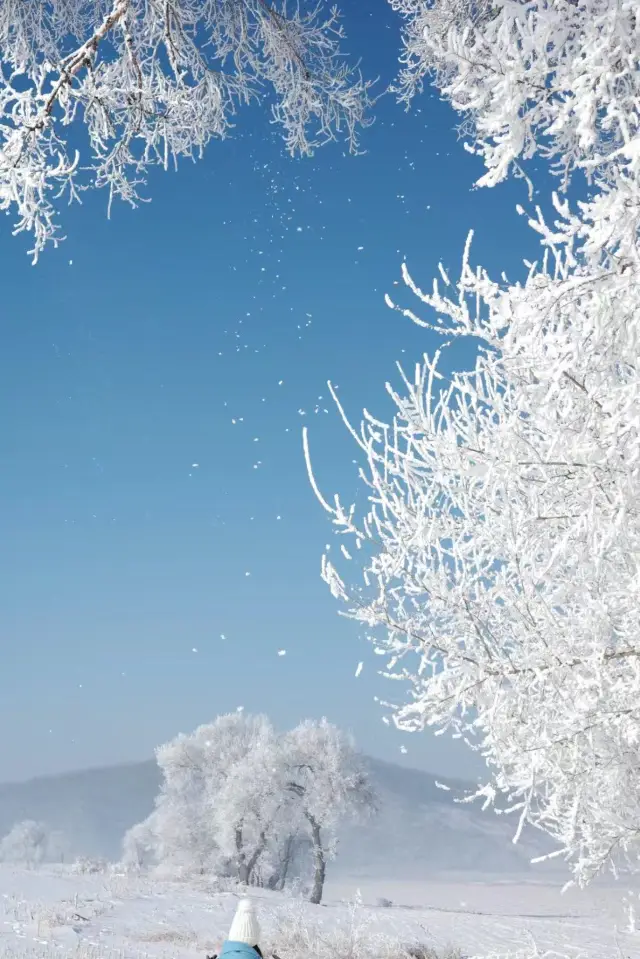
x,y
93,807
419,830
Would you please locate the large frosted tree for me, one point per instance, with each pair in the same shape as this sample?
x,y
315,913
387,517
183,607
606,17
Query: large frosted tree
x,y
95,92
499,549
239,799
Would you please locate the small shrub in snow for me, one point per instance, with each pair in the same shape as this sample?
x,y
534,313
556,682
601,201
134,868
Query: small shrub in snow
x,y
89,867
383,903
429,952
299,935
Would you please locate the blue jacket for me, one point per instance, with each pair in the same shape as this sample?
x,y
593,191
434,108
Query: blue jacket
x,y
237,950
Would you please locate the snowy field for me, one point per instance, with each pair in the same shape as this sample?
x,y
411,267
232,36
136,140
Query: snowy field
x,y
52,913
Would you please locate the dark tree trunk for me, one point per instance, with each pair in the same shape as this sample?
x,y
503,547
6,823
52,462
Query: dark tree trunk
x,y
286,864
246,866
255,856
319,861
278,880
243,872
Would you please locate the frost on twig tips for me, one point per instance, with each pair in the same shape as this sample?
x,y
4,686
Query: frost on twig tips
x,y
152,83
501,533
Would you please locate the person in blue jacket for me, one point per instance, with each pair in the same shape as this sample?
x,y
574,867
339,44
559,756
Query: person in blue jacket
x,y
244,935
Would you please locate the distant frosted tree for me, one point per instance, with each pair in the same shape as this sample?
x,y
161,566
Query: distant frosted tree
x,y
238,799
140,846
328,784
95,92
31,844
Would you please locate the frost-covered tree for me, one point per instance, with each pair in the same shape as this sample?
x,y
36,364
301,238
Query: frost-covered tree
x,y
95,92
181,821
499,548
32,844
26,844
140,846
328,784
240,800
188,817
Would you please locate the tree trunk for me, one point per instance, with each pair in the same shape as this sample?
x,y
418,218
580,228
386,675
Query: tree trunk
x,y
286,865
246,866
257,852
320,863
243,871
278,879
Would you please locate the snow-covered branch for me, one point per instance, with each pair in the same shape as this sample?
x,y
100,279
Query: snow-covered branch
x,y
93,93
503,539
560,80
499,551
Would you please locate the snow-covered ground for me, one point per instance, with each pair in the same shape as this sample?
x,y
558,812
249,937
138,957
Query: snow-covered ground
x,y
48,913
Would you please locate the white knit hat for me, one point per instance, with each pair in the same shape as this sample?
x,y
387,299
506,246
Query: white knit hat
x,y
245,926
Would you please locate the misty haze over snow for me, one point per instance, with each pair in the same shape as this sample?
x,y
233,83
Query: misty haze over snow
x,y
418,832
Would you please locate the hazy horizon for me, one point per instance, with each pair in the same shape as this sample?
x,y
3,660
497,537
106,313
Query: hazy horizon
x,y
417,827
409,761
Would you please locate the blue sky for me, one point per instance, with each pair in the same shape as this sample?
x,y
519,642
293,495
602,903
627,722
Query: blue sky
x,y
141,595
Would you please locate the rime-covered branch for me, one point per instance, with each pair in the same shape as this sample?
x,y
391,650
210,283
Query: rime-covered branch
x,y
497,561
560,80
94,93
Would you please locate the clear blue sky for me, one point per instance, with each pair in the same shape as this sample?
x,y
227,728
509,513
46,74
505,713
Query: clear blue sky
x,y
201,329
